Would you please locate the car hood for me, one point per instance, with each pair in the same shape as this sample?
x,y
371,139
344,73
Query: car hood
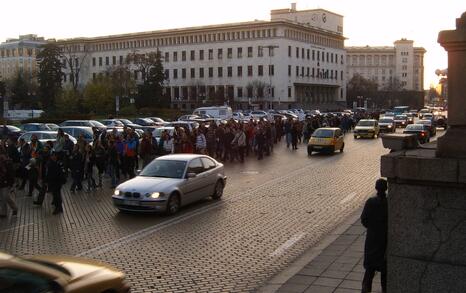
x,y
148,184
385,124
80,269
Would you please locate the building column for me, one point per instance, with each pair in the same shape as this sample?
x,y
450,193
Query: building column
x,y
453,143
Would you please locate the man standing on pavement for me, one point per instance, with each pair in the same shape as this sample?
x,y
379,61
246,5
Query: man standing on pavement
x,y
55,179
375,218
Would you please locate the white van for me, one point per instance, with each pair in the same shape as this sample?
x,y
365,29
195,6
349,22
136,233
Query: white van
x,y
220,112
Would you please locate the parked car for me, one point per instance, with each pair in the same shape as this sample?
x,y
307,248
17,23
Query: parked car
x,y
157,133
170,182
111,123
188,117
259,114
430,125
421,131
401,120
58,274
219,112
158,121
34,127
43,136
7,131
188,125
387,124
85,123
130,124
76,131
367,128
326,139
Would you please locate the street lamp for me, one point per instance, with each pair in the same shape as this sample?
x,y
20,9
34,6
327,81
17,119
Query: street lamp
x,y
271,48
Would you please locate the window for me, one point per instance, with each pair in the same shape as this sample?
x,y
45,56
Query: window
x,y
93,61
211,72
331,58
240,53
229,53
289,92
307,71
313,55
308,53
297,52
167,57
289,51
341,75
211,54
302,53
318,55
289,70
183,73
249,70
195,166
260,51
302,71
114,60
271,51
220,54
240,71
239,91
121,60
404,60
404,67
297,70
404,74
183,55
100,61
249,52
229,71
327,58
271,70
220,71
260,70
94,76
208,163
175,73
192,55
201,54
313,71
167,74
193,73
175,56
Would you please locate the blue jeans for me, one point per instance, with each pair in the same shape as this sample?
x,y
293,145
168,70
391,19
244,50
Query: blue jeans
x,y
112,172
288,139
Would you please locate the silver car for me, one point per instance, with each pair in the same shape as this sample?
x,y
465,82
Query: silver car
x,y
170,182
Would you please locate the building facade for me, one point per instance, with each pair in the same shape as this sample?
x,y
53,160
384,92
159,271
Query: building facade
x,y
297,59
19,55
401,63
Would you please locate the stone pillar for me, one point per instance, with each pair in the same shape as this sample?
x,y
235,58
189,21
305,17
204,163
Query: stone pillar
x,y
427,196
453,143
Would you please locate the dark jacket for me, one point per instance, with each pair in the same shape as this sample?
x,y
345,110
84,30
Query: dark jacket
x,y
54,175
375,218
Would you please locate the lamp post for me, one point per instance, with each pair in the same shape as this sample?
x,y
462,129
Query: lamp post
x,y
271,54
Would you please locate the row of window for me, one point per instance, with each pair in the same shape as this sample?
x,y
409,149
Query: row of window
x,y
18,52
315,72
220,72
179,40
315,55
314,38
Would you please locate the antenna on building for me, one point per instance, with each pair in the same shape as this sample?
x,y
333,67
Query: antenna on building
x,y
293,6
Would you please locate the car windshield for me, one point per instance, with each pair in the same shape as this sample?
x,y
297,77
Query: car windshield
x,y
366,123
323,133
126,121
415,127
96,123
165,169
400,117
385,121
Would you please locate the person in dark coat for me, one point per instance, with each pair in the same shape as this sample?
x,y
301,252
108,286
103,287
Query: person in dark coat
x,y
375,218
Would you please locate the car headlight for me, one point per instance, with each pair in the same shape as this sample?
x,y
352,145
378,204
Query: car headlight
x,y
154,195
117,192
390,126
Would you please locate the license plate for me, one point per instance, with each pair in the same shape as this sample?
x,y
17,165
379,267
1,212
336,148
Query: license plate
x,y
131,202
317,147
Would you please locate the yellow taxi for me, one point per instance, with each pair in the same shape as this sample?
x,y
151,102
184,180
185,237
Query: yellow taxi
x,y
58,274
326,139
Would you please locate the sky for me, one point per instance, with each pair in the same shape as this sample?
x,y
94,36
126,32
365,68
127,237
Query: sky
x,y
366,22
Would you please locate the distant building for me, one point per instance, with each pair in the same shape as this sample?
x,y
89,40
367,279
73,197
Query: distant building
x,y
294,60
402,62
20,55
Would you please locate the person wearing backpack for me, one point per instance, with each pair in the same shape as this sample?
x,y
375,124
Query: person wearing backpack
x,y
7,180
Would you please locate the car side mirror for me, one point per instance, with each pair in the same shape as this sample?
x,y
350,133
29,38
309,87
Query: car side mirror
x,y
191,175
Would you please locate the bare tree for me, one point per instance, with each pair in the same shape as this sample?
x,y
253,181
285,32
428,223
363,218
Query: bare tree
x,y
74,57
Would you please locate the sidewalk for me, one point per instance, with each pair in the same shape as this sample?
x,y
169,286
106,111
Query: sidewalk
x,y
337,267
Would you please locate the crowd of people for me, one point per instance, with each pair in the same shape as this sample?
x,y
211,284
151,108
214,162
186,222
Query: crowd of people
x,y
47,166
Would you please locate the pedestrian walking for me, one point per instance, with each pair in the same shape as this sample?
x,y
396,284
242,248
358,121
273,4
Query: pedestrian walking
x,y
7,180
55,179
375,218
77,169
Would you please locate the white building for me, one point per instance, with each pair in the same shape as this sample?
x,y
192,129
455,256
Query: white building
x,y
402,62
20,55
295,59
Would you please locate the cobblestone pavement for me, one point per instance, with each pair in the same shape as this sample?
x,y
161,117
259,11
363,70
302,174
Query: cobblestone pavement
x,y
272,211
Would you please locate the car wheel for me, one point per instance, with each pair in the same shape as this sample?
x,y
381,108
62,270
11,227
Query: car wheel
x,y
173,205
342,147
355,137
309,151
218,191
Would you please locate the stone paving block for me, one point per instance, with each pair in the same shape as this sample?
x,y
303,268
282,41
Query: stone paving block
x,y
349,284
319,289
312,271
301,279
334,274
293,288
329,282
343,290
355,276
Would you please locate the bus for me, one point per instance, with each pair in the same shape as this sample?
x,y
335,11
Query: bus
x,y
401,109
